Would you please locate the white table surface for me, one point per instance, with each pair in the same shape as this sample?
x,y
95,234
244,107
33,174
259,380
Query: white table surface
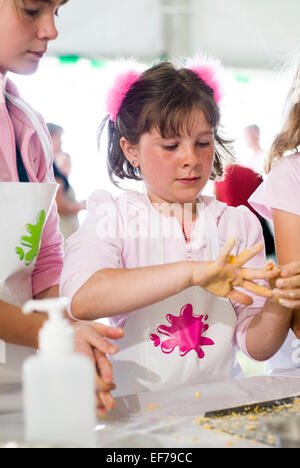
x,y
162,419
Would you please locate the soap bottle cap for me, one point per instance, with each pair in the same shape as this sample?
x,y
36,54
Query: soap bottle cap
x,y
57,334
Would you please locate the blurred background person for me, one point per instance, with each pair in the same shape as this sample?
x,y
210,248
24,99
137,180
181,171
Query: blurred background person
x,y
56,133
63,163
255,156
68,206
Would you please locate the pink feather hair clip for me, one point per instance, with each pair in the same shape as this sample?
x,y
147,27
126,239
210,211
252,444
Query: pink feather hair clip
x,y
123,82
208,70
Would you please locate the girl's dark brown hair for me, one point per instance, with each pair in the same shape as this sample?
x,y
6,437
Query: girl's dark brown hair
x,y
166,99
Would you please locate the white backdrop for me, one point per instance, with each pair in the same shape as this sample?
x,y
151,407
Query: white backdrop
x,y
242,33
109,28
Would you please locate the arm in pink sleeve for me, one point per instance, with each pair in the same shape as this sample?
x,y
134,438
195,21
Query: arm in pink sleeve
x,y
94,247
49,263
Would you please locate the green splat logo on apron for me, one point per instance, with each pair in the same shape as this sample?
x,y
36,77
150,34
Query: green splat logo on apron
x,y
33,241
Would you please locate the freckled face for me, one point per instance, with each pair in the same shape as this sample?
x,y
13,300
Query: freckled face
x,y
26,27
176,170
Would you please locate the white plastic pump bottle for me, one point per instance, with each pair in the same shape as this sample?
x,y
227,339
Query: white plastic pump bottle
x,y
59,384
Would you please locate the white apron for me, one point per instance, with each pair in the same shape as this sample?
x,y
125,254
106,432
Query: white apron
x,y
24,209
183,340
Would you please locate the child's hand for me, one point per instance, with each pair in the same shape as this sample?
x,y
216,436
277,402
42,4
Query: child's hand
x,y
287,287
226,273
105,401
89,340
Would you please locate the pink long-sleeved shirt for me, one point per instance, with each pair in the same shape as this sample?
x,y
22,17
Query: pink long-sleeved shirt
x,y
17,129
115,234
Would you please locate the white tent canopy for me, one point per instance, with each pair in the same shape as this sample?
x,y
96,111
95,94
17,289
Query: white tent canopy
x,y
242,33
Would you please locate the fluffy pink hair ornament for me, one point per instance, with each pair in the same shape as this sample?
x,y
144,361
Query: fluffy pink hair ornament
x,y
208,69
123,82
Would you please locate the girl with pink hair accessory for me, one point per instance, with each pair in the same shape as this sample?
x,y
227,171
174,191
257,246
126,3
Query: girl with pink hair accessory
x,y
158,263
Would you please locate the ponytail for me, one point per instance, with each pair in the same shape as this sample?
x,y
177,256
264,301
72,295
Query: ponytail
x,y
117,165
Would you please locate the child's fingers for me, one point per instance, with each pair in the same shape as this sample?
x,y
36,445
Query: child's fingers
x,y
107,400
272,266
100,343
83,347
246,255
253,273
103,386
225,252
100,404
241,298
109,332
105,403
288,283
87,333
290,270
291,294
102,412
289,304
257,289
104,366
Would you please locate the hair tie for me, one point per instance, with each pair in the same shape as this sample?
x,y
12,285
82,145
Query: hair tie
x,y
123,82
208,69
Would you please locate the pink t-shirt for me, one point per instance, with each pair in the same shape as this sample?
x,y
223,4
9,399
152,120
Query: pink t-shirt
x,y
281,188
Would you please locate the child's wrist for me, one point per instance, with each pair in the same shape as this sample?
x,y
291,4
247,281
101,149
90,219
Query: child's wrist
x,y
187,273
197,270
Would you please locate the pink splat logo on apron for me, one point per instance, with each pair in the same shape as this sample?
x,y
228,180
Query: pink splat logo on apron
x,y
186,332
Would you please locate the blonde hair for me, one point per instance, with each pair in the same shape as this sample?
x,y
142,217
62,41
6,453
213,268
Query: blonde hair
x,y
288,138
